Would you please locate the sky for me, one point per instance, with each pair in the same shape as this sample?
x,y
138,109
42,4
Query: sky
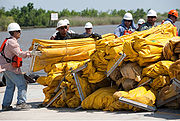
x,y
100,5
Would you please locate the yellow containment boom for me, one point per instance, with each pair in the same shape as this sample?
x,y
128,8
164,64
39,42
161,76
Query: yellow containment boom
x,y
54,51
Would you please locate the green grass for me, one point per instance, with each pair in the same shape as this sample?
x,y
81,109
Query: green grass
x,y
81,21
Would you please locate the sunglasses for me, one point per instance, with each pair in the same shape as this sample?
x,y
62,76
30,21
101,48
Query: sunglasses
x,y
18,31
64,27
128,20
151,16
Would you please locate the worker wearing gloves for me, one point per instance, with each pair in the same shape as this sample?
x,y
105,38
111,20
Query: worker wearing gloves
x,y
88,28
10,63
140,23
69,31
126,27
63,33
151,19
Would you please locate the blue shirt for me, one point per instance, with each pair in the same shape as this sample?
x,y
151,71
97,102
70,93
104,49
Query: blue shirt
x,y
86,33
119,31
168,20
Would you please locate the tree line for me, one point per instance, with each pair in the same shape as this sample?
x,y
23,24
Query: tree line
x,y
28,16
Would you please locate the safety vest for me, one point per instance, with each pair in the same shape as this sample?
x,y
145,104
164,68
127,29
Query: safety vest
x,y
15,61
126,32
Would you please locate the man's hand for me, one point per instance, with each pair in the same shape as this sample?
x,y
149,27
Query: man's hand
x,y
96,36
35,53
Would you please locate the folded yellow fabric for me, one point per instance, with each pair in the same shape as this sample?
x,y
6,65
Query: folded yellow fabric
x,y
174,70
159,68
100,99
169,50
141,94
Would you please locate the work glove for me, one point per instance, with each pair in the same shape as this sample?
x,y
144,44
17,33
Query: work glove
x,y
35,53
96,36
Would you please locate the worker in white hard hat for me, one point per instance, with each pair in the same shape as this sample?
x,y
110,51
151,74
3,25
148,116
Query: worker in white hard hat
x,y
68,26
63,33
88,28
10,63
151,20
126,27
140,23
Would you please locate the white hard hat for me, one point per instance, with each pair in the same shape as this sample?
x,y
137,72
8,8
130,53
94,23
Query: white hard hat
x,y
88,25
128,16
152,13
61,23
13,27
67,21
141,21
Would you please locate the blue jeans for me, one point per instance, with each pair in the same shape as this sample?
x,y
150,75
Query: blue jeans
x,y
13,80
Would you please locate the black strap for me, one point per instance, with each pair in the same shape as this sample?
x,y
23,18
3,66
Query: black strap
x,y
7,59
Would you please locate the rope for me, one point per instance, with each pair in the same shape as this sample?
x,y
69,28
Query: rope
x,y
65,53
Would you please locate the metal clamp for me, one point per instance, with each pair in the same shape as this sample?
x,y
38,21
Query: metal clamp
x,y
35,47
58,92
159,104
79,69
74,72
55,97
78,86
177,83
137,104
58,87
148,81
123,55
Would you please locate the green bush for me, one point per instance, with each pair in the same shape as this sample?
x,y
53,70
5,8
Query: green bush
x,y
4,22
28,16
